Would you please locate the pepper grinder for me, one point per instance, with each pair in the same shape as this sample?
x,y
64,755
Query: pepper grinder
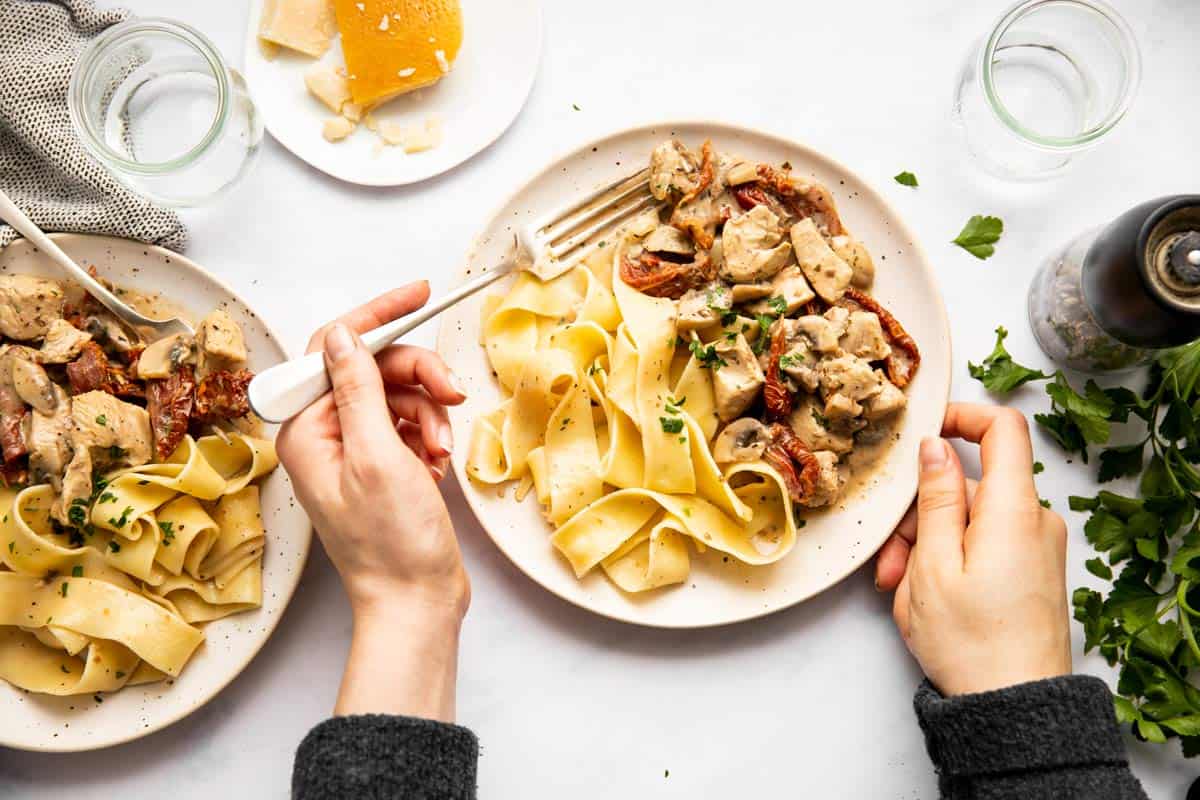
x,y
1115,296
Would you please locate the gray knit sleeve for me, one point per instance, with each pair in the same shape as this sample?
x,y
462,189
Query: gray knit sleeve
x,y
378,756
1056,738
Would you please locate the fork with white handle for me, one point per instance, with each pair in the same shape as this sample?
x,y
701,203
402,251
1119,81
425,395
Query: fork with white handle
x,y
547,247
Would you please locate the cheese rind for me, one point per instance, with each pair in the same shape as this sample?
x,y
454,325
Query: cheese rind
x,y
306,26
415,47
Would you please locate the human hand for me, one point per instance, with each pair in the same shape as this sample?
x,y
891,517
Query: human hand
x,y
980,582
364,458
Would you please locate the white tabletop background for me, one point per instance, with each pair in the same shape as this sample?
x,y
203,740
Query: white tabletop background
x,y
811,702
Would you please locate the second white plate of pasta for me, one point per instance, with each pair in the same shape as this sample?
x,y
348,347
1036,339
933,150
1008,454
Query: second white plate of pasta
x,y
716,416
157,543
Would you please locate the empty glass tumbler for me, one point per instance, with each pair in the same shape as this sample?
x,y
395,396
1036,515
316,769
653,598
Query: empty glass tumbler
x,y
1051,79
156,104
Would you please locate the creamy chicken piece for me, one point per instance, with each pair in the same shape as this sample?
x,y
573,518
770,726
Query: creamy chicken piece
x,y
754,248
790,285
104,422
854,253
738,380
28,306
864,337
890,401
829,480
63,343
167,355
828,274
808,421
221,344
702,307
850,376
673,170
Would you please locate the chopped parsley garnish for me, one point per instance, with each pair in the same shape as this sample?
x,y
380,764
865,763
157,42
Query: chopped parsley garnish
x,y
123,520
12,546
1038,468
114,546
63,588
77,571
728,318
102,420
820,418
671,424
168,528
906,178
707,355
763,341
63,667
117,452
779,305
107,497
789,360
979,235
673,406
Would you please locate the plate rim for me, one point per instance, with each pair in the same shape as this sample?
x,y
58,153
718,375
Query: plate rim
x,y
289,591
718,128
250,49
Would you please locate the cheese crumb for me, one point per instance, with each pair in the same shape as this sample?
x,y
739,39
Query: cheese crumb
x,y
352,111
337,128
325,84
407,72
370,121
383,23
443,64
360,6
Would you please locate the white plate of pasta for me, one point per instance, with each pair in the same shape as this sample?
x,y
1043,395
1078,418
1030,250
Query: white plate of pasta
x,y
148,542
715,416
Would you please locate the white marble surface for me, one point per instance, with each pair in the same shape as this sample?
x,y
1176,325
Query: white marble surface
x,y
815,701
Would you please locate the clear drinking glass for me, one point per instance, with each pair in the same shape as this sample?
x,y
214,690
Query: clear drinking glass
x,y
1052,78
155,103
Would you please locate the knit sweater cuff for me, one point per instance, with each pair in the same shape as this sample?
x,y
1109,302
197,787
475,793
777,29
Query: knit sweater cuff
x,y
376,755
1059,722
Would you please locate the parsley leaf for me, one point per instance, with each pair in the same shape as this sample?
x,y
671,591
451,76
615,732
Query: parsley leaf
x,y
707,355
671,424
999,373
906,178
979,235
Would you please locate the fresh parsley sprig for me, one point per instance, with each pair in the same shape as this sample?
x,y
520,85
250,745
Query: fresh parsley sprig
x,y
979,236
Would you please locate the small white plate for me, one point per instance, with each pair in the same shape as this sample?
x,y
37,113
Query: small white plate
x,y
477,101
833,544
70,724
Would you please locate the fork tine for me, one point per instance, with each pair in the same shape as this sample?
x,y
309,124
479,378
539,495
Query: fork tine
x,y
598,201
604,223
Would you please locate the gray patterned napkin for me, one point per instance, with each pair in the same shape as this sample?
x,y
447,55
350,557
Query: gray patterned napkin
x,y
43,166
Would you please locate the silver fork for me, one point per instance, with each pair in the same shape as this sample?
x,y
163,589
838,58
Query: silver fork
x,y
547,247
25,226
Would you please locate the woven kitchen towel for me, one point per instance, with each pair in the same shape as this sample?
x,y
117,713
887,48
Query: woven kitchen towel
x,y
43,166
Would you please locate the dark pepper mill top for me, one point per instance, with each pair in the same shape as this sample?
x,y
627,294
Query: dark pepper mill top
x,y
1141,276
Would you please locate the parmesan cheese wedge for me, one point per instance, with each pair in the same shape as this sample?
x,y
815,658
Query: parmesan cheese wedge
x,y
329,85
306,26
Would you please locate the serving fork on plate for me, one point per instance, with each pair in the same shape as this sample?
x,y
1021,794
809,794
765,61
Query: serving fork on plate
x,y
10,213
547,247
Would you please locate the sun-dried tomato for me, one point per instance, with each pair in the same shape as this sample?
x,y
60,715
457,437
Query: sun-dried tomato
x,y
169,402
776,396
794,462
221,395
655,276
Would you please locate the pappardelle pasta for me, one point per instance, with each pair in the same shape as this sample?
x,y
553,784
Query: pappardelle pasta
x,y
129,512
709,377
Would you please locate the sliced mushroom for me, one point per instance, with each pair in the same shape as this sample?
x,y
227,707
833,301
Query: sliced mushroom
x,y
669,239
743,439
741,172
32,383
160,359
825,270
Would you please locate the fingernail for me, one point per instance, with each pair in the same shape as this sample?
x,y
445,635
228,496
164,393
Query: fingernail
x,y
338,342
446,439
935,453
456,384
438,472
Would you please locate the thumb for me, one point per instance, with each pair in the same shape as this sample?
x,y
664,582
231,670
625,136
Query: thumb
x,y
357,389
941,506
